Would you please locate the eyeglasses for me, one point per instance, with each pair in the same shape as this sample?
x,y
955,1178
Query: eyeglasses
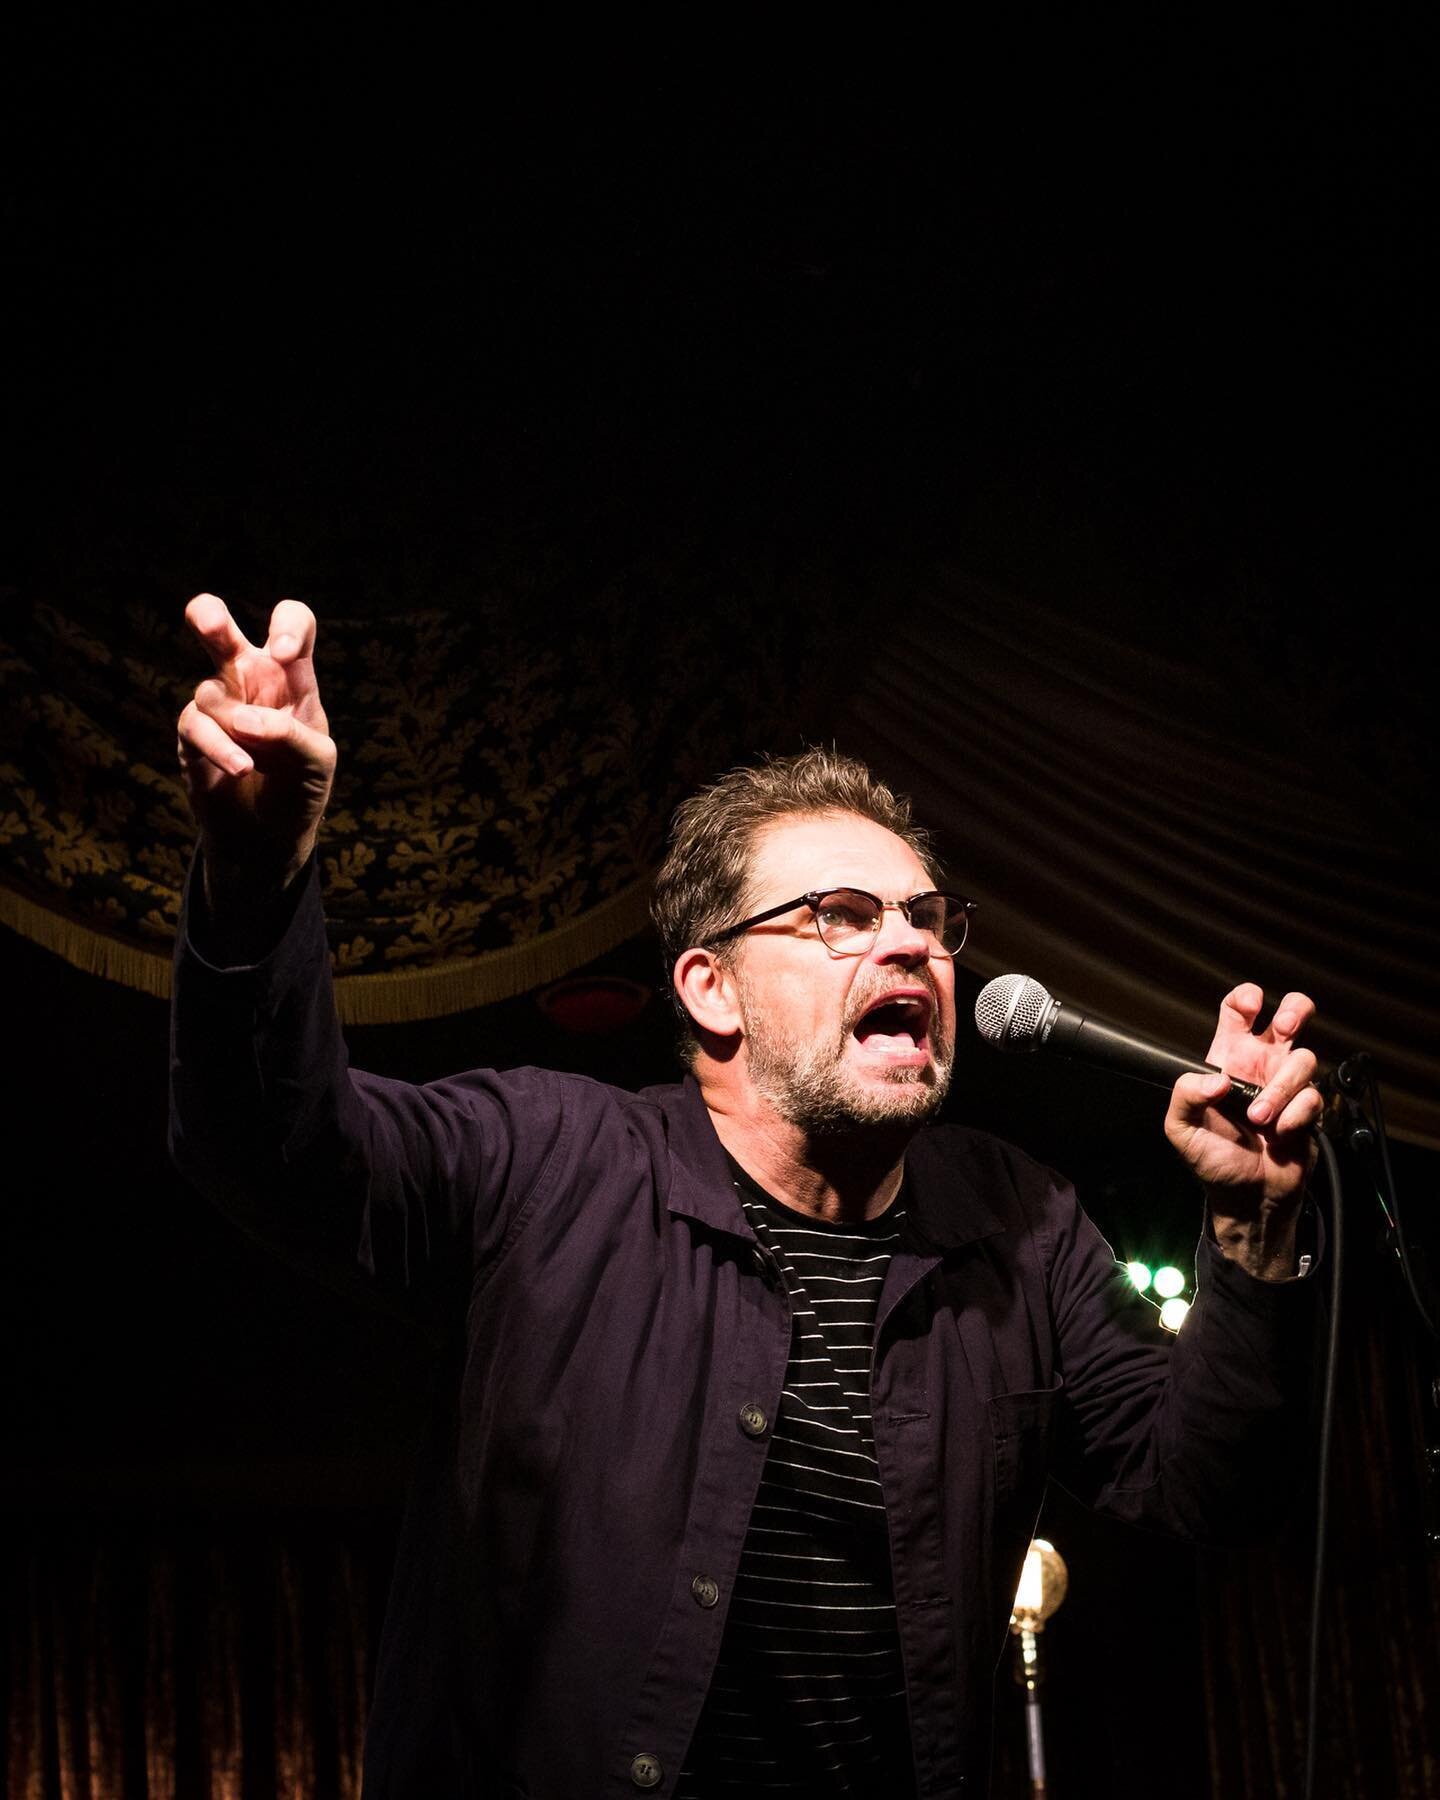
x,y
848,919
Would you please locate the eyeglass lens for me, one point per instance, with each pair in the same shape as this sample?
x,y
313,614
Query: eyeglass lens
x,y
847,919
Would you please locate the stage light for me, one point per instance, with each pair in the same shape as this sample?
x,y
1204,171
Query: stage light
x,y
1173,1313
1169,1282
1140,1276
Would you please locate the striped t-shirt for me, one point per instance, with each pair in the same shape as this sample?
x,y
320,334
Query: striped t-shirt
x,y
808,1695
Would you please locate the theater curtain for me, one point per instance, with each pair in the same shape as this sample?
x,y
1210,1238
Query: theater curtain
x,y
507,768
1148,806
1152,806
230,1666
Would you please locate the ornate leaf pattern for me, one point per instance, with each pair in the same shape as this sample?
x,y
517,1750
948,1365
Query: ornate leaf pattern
x,y
506,765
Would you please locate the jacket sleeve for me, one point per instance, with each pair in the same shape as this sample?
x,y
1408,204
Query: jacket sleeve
x,y
404,1189
1203,1435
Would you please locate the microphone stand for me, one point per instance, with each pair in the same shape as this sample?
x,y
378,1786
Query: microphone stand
x,y
1345,1121
1347,1089
1027,1673
1043,1581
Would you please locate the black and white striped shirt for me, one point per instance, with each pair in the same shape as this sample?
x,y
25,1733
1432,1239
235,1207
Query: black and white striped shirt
x,y
808,1696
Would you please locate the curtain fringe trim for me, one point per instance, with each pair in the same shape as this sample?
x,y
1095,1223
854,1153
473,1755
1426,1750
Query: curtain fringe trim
x,y
391,997
397,996
87,947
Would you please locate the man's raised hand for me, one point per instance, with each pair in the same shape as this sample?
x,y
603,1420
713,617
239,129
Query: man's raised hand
x,y
1256,1171
255,749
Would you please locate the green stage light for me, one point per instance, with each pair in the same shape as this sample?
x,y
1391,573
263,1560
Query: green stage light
x,y
1169,1282
1173,1313
1140,1276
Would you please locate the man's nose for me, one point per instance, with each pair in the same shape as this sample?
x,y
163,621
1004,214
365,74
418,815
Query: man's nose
x,y
897,940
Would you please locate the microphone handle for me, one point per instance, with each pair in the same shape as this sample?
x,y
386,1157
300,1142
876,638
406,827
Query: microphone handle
x,y
1070,1033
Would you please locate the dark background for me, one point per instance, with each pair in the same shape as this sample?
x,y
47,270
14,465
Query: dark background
x,y
355,311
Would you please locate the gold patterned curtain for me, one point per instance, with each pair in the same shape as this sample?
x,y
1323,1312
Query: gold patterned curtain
x,y
507,770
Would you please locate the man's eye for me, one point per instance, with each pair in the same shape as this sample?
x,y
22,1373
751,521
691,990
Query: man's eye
x,y
846,915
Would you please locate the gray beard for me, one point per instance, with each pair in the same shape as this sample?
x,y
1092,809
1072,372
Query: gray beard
x,y
810,1087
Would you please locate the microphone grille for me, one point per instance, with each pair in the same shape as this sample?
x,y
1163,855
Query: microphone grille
x,y
1009,1011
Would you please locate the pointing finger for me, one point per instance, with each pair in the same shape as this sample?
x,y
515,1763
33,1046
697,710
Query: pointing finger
x,y
1241,1006
292,631
209,618
292,644
1238,1012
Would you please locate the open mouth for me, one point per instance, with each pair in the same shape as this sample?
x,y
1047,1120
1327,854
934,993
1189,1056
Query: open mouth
x,y
897,1024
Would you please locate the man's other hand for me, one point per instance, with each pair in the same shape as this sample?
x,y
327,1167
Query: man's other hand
x,y
1254,1165
255,749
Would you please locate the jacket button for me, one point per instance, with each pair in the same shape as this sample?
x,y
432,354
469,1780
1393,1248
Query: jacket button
x,y
705,1590
753,1421
645,1771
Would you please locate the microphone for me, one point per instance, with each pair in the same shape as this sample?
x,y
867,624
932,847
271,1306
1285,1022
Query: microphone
x,y
1016,1014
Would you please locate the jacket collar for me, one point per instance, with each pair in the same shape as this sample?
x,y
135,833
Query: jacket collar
x,y
701,1186
945,1208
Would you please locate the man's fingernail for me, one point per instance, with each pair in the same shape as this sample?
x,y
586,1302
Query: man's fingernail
x,y
247,719
284,646
1260,1111
1285,1024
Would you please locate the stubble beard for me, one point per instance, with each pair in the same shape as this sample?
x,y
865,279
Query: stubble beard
x,y
810,1085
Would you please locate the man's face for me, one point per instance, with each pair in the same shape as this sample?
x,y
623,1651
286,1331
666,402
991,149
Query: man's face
x,y
831,1041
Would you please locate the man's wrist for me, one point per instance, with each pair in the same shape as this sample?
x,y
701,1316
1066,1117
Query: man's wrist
x,y
1264,1240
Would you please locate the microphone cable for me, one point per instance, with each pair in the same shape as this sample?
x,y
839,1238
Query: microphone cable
x,y
1327,1420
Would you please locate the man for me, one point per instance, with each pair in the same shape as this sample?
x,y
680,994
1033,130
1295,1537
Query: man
x,y
750,1386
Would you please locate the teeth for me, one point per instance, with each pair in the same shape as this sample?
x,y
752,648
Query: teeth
x,y
913,1005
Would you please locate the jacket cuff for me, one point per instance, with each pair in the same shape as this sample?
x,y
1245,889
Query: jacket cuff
x,y
1216,1269
255,949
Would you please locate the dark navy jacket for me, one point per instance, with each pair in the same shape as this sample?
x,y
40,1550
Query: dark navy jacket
x,y
613,1345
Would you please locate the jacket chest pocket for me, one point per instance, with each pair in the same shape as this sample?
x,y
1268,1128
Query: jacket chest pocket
x,y
1020,1430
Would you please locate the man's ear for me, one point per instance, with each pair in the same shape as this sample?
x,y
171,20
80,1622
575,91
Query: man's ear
x,y
707,992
